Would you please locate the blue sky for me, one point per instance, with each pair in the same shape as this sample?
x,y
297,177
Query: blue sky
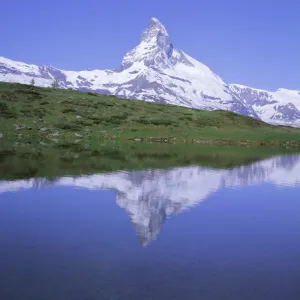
x,y
256,43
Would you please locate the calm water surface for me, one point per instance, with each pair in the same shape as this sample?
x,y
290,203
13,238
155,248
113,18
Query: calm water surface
x,y
181,233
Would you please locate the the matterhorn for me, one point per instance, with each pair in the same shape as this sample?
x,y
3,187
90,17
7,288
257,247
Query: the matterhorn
x,y
156,71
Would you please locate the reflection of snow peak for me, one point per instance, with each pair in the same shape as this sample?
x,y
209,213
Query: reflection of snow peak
x,y
150,196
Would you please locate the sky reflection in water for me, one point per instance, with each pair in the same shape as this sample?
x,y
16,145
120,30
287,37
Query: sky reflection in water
x,y
202,234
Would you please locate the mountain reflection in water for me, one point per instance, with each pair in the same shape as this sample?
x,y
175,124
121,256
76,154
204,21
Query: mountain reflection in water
x,y
151,196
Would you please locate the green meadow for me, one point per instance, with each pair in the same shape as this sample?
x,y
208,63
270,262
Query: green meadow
x,y
30,114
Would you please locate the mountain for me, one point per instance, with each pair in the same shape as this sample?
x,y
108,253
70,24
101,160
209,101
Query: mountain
x,y
153,71
151,196
281,107
156,71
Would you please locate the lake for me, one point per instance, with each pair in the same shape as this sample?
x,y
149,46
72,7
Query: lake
x,y
179,232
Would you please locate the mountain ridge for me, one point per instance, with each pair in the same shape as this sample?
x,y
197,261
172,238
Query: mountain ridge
x,y
156,71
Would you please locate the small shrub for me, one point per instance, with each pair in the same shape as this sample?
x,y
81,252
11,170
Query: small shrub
x,y
3,108
40,112
44,102
162,122
106,103
93,94
142,121
114,119
27,112
94,118
156,122
186,118
28,92
7,112
68,110
67,102
69,126
82,122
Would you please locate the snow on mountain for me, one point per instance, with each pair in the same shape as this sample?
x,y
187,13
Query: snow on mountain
x,y
155,71
151,196
281,107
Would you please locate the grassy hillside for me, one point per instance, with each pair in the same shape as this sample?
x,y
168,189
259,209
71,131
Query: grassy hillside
x,y
34,114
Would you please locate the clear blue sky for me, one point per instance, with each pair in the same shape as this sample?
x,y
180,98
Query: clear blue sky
x,y
251,42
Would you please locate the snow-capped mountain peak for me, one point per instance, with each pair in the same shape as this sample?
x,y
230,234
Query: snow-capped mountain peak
x,y
156,71
154,31
154,49
280,107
